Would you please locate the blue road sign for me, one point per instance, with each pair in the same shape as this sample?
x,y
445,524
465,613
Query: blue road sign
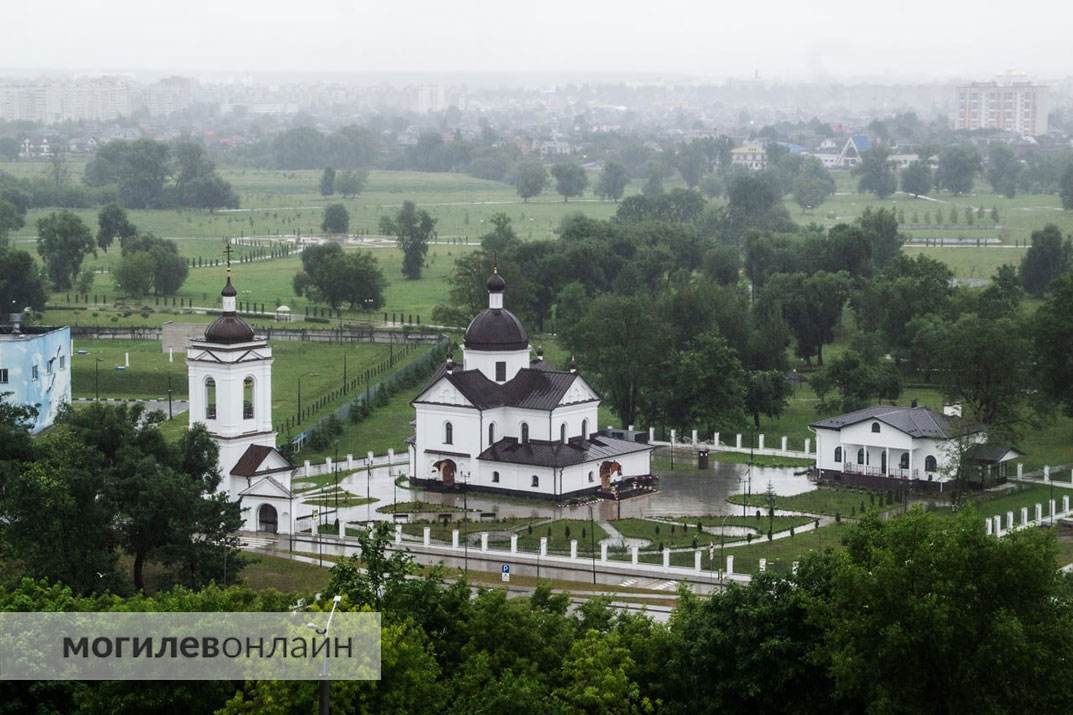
x,y
506,568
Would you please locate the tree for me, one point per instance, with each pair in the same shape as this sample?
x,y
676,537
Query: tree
x,y
330,275
1048,257
1003,170
810,192
711,186
906,289
570,179
351,183
858,380
530,179
614,326
336,219
139,169
112,223
134,274
63,241
691,163
1052,328
369,577
1065,187
958,166
767,393
21,283
997,603
612,182
812,306
197,185
12,214
985,367
880,228
917,179
168,268
327,182
876,173
706,365
413,229
754,203
1003,297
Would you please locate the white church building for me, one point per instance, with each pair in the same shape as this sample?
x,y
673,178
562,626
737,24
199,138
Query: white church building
x,y
230,387
504,421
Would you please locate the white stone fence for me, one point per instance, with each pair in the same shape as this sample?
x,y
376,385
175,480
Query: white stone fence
x,y
1000,526
350,464
739,444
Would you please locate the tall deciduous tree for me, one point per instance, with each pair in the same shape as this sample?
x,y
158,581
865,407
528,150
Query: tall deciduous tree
x,y
917,179
1003,170
612,182
63,242
327,181
1048,257
112,223
21,283
1065,187
1053,338
570,179
958,166
876,173
336,219
812,306
530,179
413,229
351,183
335,277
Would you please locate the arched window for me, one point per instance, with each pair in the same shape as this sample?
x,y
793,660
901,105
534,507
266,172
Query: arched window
x,y
495,477
525,432
838,455
536,481
904,463
562,433
875,427
860,456
210,399
930,465
592,478
584,429
491,433
448,433
247,398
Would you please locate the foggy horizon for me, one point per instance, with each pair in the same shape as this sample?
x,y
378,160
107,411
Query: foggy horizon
x,y
676,41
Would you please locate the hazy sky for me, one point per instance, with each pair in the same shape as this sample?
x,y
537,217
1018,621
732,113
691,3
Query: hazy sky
x,y
790,39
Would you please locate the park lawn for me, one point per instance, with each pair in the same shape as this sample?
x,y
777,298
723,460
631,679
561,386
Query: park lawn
x,y
345,499
385,428
830,501
439,531
1050,444
759,524
971,261
417,507
1023,496
559,534
780,553
284,574
670,535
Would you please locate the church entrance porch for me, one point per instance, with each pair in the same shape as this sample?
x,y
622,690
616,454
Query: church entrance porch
x,y
447,469
267,519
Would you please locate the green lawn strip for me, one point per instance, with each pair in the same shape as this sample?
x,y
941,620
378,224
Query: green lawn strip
x,y
284,574
997,504
824,500
758,524
439,531
344,499
559,534
417,507
656,533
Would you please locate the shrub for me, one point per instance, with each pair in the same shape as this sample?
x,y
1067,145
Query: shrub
x,y
838,517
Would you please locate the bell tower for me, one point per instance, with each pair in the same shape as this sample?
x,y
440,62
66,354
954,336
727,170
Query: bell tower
x,y
230,384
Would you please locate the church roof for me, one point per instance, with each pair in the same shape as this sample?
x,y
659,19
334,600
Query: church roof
x,y
496,329
229,328
544,453
531,388
249,463
914,421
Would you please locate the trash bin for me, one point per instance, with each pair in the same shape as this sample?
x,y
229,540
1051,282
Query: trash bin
x,y
702,459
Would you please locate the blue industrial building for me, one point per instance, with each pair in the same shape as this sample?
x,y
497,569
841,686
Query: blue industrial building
x,y
35,370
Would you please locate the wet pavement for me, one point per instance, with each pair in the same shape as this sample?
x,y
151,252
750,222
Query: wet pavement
x,y
695,494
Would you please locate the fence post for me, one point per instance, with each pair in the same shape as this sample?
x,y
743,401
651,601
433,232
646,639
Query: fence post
x,y
666,558
543,546
784,443
808,446
398,533
603,551
696,560
633,555
737,441
573,548
514,543
454,538
1039,513
760,444
730,565
427,537
763,565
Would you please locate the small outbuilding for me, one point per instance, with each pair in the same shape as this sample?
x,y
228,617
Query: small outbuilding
x,y
283,314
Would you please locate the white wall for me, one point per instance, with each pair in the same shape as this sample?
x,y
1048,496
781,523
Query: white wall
x,y
486,361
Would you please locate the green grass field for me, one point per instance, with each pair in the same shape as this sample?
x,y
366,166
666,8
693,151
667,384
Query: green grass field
x,y
320,369
560,532
825,500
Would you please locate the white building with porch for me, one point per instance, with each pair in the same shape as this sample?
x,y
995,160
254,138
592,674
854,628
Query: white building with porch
x,y
230,385
888,441
504,421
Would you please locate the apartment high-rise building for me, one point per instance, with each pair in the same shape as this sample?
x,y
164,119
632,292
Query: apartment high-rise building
x,y
1011,102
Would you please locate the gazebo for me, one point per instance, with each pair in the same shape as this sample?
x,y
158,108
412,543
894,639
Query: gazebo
x,y
283,314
